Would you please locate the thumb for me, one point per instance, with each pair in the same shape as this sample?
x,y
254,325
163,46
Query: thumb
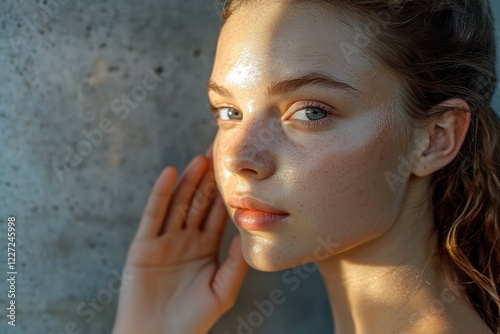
x,y
229,278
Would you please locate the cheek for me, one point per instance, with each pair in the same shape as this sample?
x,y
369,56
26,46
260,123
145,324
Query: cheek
x,y
223,177
343,187
334,186
217,163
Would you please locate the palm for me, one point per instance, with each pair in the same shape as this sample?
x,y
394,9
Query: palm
x,y
173,258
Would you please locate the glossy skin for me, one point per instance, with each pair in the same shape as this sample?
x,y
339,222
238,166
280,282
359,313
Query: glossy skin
x,y
323,153
320,153
327,173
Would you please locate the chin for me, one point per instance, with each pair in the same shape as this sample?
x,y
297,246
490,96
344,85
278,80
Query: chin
x,y
265,254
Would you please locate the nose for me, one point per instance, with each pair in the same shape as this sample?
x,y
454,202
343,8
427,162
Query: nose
x,y
249,151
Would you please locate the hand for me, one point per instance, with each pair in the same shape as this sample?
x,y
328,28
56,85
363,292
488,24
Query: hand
x,y
178,287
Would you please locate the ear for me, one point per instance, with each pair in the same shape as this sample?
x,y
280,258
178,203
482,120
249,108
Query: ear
x,y
444,137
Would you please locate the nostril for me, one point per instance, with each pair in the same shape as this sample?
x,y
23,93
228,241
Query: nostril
x,y
248,171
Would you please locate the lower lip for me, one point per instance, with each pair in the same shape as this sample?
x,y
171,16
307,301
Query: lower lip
x,y
257,220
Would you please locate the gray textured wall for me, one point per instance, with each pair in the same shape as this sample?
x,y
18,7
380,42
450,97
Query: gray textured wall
x,y
59,78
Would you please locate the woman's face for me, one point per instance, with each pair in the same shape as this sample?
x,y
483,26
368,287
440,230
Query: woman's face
x,y
305,131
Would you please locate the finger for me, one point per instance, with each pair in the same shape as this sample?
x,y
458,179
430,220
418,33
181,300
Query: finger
x,y
156,207
217,218
230,276
202,201
181,199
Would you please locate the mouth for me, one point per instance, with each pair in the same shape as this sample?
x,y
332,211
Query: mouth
x,y
255,215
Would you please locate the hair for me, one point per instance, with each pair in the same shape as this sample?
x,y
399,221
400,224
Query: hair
x,y
443,49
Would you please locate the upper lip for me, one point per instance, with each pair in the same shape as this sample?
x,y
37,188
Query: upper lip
x,y
251,203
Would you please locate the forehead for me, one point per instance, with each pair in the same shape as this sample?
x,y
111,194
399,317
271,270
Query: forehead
x,y
277,39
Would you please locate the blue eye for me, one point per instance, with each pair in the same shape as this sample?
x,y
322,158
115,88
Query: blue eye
x,y
310,114
228,114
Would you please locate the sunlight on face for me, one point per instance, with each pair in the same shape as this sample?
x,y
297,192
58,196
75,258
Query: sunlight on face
x,y
303,131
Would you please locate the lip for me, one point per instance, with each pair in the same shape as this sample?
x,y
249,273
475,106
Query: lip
x,y
255,215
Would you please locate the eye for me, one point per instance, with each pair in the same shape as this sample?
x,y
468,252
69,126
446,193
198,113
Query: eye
x,y
313,115
310,114
228,113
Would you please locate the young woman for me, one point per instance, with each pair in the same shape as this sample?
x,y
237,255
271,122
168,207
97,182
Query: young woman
x,y
357,134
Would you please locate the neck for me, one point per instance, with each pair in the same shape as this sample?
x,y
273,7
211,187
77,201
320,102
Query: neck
x,y
394,283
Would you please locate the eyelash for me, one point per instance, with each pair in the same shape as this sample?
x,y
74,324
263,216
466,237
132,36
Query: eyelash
x,y
330,112
215,109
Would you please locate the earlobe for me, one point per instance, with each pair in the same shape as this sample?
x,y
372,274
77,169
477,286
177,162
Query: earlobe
x,y
445,136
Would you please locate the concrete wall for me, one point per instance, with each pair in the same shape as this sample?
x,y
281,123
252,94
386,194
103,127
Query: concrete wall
x,y
59,77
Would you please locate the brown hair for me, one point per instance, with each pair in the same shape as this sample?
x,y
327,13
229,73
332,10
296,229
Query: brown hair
x,y
442,49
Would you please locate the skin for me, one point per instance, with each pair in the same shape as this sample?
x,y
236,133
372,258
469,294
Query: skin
x,y
332,181
379,265
337,168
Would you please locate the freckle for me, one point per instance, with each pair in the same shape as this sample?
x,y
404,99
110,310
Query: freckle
x,y
381,158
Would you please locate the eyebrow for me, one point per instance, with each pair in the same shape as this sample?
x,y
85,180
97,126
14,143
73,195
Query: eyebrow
x,y
290,85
